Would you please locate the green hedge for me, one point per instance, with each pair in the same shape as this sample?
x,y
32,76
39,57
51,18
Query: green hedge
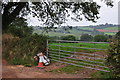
x,y
20,51
113,59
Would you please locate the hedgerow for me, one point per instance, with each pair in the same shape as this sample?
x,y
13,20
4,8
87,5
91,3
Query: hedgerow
x,y
113,59
20,51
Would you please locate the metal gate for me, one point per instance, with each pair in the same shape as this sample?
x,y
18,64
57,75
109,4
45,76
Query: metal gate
x,y
73,53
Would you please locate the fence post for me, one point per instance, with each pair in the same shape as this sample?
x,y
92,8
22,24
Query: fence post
x,y
59,48
47,49
94,54
74,49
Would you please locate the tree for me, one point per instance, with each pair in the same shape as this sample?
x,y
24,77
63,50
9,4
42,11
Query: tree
x,y
50,13
9,13
86,37
20,28
68,37
100,38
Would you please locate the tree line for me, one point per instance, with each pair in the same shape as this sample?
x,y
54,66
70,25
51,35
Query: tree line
x,y
85,37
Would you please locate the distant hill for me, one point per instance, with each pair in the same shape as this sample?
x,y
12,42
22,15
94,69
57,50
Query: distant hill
x,y
102,26
109,29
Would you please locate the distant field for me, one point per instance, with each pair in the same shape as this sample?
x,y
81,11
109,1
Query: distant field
x,y
111,28
86,28
110,33
72,32
79,31
103,30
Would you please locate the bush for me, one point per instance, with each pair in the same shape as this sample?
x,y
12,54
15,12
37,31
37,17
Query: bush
x,y
86,37
117,36
113,59
100,38
68,37
21,50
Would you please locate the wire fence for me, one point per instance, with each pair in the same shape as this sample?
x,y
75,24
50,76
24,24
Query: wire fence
x,y
73,53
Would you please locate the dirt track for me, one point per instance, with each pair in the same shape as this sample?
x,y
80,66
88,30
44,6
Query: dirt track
x,y
19,71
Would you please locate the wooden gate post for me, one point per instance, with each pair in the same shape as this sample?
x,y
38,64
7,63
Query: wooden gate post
x,y
47,49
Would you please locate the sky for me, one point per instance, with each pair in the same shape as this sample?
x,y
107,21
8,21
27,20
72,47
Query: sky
x,y
107,15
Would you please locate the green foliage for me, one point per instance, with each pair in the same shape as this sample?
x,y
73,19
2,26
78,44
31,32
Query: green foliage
x,y
86,37
100,38
113,59
19,28
20,31
56,11
117,36
68,37
21,51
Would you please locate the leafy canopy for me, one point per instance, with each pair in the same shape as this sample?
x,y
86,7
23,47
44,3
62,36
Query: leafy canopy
x,y
19,27
50,13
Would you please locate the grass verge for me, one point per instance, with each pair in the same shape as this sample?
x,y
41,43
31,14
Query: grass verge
x,y
101,74
70,69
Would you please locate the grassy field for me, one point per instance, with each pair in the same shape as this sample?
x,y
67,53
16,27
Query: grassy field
x,y
86,28
86,45
110,33
82,45
111,28
75,32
